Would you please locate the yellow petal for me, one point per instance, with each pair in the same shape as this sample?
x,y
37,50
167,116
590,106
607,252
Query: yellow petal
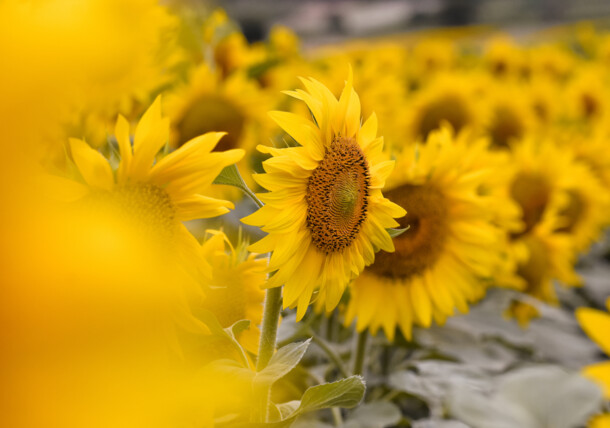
x,y
92,165
597,325
299,128
199,206
600,372
121,132
368,131
420,302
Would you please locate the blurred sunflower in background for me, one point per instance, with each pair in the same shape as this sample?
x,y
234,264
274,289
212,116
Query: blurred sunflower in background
x,y
448,98
234,281
449,254
597,324
541,250
148,192
324,213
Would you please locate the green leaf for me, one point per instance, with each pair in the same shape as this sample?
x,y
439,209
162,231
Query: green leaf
x,y
284,360
286,409
397,232
228,333
238,328
346,393
231,177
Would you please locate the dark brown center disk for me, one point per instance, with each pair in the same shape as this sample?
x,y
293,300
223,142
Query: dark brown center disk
x,y
212,113
532,192
573,212
337,196
506,126
421,245
450,108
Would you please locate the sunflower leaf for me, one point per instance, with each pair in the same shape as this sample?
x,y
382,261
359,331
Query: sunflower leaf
x,y
284,360
231,177
229,334
346,393
397,232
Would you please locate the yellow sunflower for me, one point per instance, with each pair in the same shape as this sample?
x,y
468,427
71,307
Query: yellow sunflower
x,y
160,194
542,251
511,117
451,98
234,291
451,250
597,325
586,213
325,214
551,60
503,58
600,421
208,102
431,55
542,98
586,98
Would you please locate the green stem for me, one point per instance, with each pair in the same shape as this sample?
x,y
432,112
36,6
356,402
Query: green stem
x,y
252,196
266,345
360,352
337,418
271,317
331,354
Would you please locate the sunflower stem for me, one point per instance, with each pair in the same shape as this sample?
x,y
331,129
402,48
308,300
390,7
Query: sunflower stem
x,y
266,346
337,418
329,352
252,196
360,352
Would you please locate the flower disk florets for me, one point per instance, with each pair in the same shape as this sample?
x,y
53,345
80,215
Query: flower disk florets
x,y
337,196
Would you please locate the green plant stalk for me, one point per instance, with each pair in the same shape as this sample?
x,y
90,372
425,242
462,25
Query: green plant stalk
x,y
331,354
272,307
271,318
360,353
266,345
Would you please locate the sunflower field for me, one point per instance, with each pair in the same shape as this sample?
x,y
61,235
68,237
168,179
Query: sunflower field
x,y
399,231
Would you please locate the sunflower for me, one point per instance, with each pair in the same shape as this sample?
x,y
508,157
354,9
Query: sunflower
x,y
543,250
600,421
234,291
324,213
450,98
586,96
451,250
542,256
542,99
503,58
157,194
211,103
552,60
511,117
585,215
431,55
597,324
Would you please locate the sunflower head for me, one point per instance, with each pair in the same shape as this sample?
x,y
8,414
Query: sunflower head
x,y
153,193
325,213
510,115
233,286
453,246
448,99
210,102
